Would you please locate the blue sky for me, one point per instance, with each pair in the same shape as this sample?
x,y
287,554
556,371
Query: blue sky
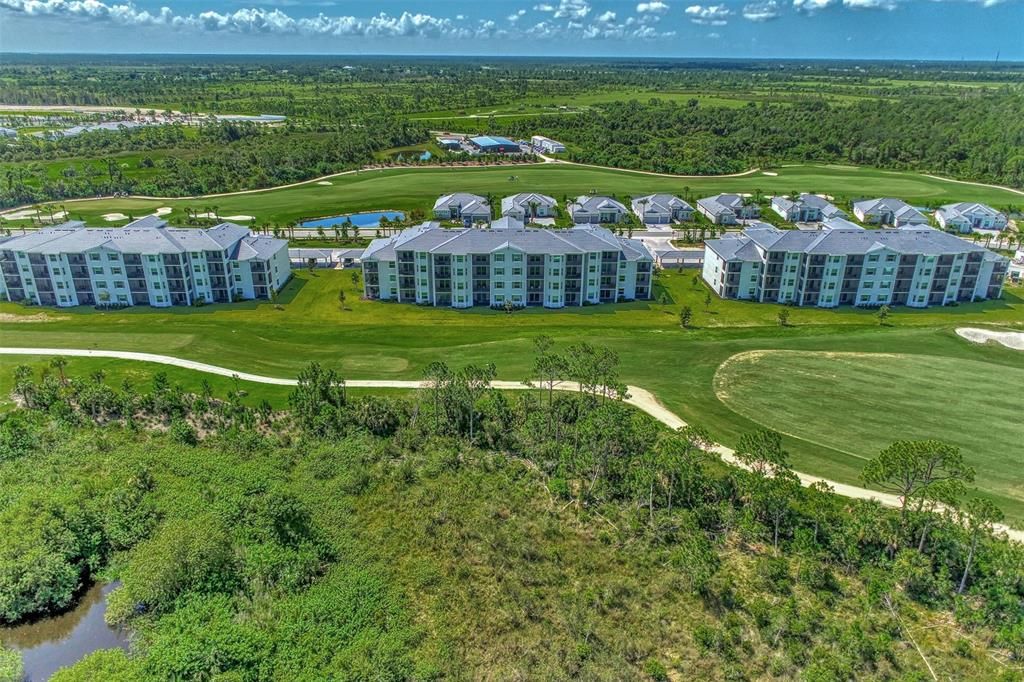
x,y
859,29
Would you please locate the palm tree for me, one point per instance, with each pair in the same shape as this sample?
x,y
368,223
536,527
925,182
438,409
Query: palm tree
x,y
59,363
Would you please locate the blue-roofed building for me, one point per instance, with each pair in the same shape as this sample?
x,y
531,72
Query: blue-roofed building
x,y
487,144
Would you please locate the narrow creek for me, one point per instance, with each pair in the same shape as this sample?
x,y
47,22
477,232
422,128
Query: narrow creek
x,y
50,644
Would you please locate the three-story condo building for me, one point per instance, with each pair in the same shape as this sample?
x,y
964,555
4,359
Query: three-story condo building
x,y
143,263
465,267
914,266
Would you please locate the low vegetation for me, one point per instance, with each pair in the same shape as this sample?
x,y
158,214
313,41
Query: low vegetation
x,y
468,533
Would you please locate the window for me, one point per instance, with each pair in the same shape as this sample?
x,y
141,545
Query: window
x,y
100,284
196,268
556,259
60,285
869,285
238,278
115,271
556,273
499,258
832,285
159,299
622,278
111,256
199,282
555,286
499,272
152,259
96,256
195,254
423,269
460,259
499,285
121,298
593,268
461,285
157,285
869,271
53,258
517,257
864,297
517,271
97,271
873,259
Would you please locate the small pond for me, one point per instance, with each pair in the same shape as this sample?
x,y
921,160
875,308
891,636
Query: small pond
x,y
50,644
368,219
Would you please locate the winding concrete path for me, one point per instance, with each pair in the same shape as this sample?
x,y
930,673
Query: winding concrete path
x,y
640,398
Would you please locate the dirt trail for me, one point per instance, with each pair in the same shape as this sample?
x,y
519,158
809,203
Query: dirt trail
x,y
638,397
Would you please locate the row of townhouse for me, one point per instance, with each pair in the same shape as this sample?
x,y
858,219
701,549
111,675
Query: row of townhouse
x,y
506,264
844,264
585,210
143,263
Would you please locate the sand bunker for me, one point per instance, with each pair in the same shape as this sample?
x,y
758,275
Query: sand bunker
x,y
1014,340
27,213
768,173
325,182
111,217
163,210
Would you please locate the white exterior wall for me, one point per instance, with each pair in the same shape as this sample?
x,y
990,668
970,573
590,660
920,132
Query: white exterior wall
x,y
714,266
554,277
627,280
387,275
101,263
280,268
201,284
63,284
920,286
156,280
791,265
984,276
831,282
462,281
877,278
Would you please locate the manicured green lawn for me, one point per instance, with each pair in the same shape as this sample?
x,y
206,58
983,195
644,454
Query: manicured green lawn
x,y
391,340
410,188
857,403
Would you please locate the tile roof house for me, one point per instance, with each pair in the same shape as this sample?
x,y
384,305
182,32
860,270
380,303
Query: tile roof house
x,y
888,211
727,209
661,209
967,217
143,263
807,208
528,205
913,266
469,208
597,209
507,264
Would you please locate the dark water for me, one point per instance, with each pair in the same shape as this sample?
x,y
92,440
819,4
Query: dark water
x,y
53,643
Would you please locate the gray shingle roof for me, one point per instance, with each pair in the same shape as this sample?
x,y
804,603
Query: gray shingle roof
x,y
74,237
523,201
433,239
843,241
722,202
595,204
660,203
899,208
464,200
964,207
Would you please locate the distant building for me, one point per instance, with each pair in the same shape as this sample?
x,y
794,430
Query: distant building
x,y
912,266
727,209
967,217
528,205
546,145
449,142
469,208
487,144
597,209
888,211
1016,271
430,265
661,209
8,132
807,208
143,263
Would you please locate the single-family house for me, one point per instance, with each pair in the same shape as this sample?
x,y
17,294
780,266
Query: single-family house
x,y
597,209
528,205
661,209
888,211
968,216
727,209
469,208
807,208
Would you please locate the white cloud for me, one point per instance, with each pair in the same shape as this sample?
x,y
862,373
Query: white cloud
x,y
572,9
709,15
606,18
544,7
654,7
762,11
246,20
514,17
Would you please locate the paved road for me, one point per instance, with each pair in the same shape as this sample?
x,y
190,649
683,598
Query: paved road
x,y
638,397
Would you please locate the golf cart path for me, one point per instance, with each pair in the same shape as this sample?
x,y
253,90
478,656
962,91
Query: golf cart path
x,y
1014,340
638,397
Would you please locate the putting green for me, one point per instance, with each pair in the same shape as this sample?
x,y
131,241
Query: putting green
x,y
858,403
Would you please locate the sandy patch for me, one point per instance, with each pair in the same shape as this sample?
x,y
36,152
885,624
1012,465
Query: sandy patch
x,y
27,213
768,173
325,182
1014,340
111,217
163,210
225,217
29,319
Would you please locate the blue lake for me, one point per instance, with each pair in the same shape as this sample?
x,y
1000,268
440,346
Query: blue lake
x,y
369,219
